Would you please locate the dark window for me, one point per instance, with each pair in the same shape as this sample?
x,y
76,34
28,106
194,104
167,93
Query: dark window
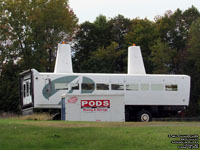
x,y
24,90
30,88
171,87
87,86
101,86
117,86
27,88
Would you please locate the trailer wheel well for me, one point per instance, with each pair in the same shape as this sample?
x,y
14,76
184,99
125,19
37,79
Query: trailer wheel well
x,y
144,116
57,116
131,112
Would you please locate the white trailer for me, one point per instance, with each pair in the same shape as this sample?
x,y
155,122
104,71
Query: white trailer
x,y
135,95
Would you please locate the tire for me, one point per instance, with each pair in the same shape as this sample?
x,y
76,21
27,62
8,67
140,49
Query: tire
x,y
144,116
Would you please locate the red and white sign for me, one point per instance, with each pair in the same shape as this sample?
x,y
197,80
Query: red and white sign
x,y
73,100
95,105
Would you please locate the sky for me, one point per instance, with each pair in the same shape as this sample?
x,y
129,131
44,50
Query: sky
x,y
88,10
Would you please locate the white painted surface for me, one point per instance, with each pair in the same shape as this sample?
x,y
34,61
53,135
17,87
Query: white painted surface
x,y
139,97
63,59
115,113
135,61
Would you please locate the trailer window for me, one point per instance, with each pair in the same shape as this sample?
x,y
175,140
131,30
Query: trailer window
x,y
156,87
87,86
30,88
171,87
24,90
27,88
61,86
144,87
132,87
117,86
101,86
75,86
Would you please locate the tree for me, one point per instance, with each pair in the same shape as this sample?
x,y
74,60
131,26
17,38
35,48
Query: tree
x,y
192,66
162,57
9,97
29,33
31,29
105,60
143,33
99,35
173,30
120,28
90,37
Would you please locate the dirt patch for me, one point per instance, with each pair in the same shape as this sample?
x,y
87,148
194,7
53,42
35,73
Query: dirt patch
x,y
108,124
36,116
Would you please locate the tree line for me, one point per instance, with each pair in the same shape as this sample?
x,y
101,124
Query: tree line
x,y
31,30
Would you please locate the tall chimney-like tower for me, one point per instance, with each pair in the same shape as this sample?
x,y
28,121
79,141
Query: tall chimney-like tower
x,y
63,59
135,61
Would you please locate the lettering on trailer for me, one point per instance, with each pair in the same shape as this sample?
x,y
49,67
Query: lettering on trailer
x,y
95,105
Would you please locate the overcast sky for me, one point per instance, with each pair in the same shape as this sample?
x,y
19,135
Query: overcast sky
x,y
88,10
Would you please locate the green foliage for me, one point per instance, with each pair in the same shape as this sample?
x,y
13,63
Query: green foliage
x,y
192,66
173,30
143,33
9,90
89,38
120,28
100,59
98,35
31,30
29,33
194,45
162,57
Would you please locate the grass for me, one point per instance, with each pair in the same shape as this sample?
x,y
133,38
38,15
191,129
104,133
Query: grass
x,y
36,116
60,135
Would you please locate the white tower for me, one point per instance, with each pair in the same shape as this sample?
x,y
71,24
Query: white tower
x,y
63,59
135,61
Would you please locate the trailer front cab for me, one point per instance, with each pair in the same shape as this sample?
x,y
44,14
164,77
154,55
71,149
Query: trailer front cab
x,y
26,91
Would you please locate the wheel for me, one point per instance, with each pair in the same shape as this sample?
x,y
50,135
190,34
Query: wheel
x,y
144,116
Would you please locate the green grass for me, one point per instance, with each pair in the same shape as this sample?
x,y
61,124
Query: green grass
x,y
59,135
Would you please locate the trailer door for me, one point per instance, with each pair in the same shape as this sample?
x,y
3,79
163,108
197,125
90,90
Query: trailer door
x,y
26,92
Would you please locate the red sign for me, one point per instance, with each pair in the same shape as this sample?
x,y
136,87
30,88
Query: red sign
x,y
95,103
72,100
